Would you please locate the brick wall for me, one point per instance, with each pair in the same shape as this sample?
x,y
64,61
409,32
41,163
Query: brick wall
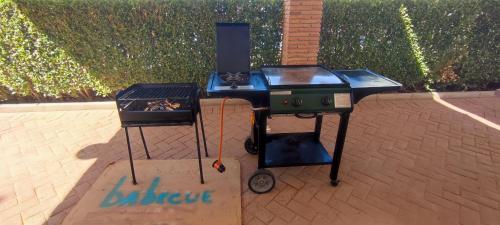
x,y
301,29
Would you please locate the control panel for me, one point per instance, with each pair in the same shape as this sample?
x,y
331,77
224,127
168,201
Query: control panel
x,y
309,101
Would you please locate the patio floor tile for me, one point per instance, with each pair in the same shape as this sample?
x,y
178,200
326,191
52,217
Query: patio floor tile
x,y
405,162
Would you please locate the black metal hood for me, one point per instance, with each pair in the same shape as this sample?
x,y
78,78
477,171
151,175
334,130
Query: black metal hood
x,y
233,47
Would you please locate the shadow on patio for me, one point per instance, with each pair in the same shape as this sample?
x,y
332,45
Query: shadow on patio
x,y
406,162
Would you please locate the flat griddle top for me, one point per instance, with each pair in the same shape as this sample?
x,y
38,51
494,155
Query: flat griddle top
x,y
300,76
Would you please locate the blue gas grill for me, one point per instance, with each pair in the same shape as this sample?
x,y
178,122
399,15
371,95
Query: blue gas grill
x,y
306,91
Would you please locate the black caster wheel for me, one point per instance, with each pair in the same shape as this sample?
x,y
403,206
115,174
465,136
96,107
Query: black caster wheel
x,y
261,181
334,182
250,147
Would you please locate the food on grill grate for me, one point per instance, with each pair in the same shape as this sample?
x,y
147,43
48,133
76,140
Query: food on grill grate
x,y
162,105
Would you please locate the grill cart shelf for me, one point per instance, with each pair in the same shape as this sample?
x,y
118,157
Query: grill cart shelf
x,y
173,104
295,149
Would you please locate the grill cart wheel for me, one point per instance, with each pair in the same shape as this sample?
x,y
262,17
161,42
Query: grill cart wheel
x,y
261,181
250,147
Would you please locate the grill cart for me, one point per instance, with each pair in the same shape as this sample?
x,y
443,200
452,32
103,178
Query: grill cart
x,y
306,91
147,105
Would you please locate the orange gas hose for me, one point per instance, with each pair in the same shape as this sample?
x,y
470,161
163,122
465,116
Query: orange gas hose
x,y
218,163
221,127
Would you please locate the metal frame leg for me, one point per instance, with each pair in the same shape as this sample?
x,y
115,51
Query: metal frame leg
x,y
199,153
203,132
339,146
253,130
134,181
261,123
317,127
144,143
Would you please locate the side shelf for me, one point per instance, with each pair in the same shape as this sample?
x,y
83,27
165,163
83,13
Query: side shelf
x,y
365,82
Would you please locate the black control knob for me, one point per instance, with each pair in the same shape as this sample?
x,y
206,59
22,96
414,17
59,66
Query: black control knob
x,y
297,102
326,101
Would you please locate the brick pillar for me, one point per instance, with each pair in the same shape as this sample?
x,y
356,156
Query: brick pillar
x,y
301,29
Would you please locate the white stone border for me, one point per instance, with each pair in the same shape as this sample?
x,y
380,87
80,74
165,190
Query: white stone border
x,y
108,105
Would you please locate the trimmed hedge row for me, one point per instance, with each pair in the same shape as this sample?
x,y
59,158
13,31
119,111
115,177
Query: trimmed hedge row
x,y
32,65
128,41
459,40
75,48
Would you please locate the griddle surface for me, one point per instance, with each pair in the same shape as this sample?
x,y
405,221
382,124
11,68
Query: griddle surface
x,y
310,75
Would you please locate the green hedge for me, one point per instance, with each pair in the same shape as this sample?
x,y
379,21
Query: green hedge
x,y
32,65
76,48
459,40
121,42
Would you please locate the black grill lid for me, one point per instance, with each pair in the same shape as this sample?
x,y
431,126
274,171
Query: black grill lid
x,y
233,47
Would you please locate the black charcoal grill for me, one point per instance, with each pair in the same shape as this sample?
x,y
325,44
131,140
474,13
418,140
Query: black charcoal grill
x,y
133,103
167,104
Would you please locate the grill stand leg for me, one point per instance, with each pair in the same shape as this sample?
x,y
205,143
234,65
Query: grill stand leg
x,y
339,146
317,127
253,131
199,153
144,143
134,181
203,131
260,125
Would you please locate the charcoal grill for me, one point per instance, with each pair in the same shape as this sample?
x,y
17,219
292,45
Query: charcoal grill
x,y
165,104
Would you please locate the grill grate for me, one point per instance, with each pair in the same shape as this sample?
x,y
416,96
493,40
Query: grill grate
x,y
151,92
158,104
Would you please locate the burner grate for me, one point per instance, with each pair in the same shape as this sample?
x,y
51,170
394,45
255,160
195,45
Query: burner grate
x,y
235,79
151,92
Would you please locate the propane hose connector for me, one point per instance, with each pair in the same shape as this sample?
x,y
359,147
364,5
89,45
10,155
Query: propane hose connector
x,y
219,166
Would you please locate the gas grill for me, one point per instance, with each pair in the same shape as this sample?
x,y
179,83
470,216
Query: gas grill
x,y
306,91
173,104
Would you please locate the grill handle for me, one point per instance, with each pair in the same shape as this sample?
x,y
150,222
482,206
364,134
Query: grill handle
x,y
305,116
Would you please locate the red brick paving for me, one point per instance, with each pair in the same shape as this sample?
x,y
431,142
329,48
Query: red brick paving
x,y
405,162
